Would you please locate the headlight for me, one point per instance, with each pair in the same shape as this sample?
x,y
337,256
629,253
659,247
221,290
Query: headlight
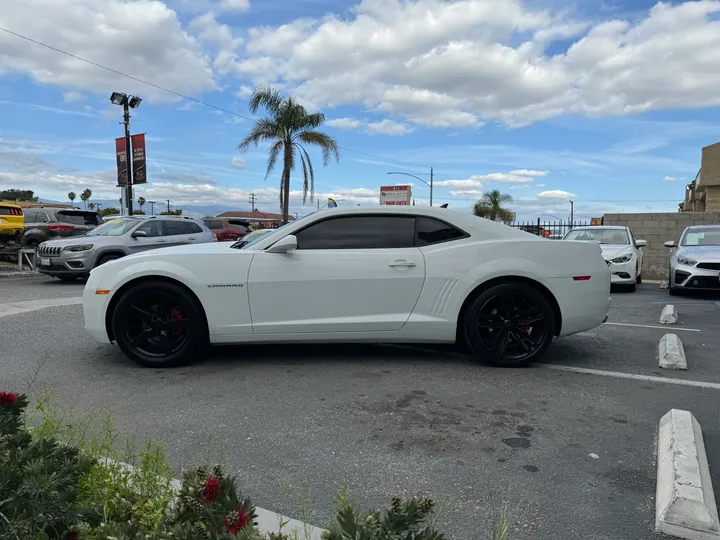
x,y
80,247
686,260
623,258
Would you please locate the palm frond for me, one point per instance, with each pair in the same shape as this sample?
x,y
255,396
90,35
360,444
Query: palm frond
x,y
305,177
272,157
268,98
328,145
264,129
310,122
310,167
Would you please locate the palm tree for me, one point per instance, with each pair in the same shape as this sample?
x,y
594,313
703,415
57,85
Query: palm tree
x,y
141,202
290,128
490,206
91,206
85,196
71,196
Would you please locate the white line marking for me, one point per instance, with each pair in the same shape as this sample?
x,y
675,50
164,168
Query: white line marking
x,y
649,326
633,376
26,306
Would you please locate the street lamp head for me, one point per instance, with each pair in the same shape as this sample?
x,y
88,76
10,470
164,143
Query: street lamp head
x,y
134,102
118,98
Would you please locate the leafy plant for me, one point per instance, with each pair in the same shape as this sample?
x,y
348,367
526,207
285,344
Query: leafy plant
x,y
490,206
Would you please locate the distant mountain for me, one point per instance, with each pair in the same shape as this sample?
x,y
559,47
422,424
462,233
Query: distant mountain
x,y
190,210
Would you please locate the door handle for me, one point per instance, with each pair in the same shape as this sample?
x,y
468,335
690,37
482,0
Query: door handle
x,y
162,241
192,238
402,264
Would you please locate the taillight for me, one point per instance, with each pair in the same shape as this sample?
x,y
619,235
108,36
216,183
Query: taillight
x,y
215,237
233,233
61,228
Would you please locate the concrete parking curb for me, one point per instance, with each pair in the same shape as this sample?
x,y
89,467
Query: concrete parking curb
x,y
671,353
685,503
669,315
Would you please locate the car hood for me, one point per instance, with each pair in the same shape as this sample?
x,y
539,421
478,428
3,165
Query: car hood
x,y
700,253
83,239
187,249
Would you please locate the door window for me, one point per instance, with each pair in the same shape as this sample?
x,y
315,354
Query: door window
x,y
151,228
359,232
193,228
31,216
79,218
41,217
434,231
174,228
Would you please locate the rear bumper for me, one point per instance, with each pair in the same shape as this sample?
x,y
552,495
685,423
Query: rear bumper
x,y
583,304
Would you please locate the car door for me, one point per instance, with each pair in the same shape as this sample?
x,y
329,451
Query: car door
x,y
154,237
196,234
177,232
351,273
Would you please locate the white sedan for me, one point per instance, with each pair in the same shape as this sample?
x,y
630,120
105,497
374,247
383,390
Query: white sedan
x,y
402,275
622,253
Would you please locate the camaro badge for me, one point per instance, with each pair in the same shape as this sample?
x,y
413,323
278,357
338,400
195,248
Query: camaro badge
x,y
225,285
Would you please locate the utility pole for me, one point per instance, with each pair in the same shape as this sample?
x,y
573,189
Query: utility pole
x,y
318,204
431,184
168,204
252,199
152,207
572,213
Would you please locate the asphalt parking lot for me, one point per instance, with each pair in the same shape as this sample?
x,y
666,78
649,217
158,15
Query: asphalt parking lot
x,y
572,450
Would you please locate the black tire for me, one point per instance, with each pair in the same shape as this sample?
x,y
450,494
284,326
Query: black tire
x,y
493,323
638,280
632,287
68,278
33,243
674,291
159,324
107,258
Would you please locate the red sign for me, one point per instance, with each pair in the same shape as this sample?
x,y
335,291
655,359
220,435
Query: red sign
x,y
138,159
395,195
121,157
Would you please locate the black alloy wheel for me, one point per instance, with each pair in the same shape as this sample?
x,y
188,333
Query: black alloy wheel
x,y
159,324
510,325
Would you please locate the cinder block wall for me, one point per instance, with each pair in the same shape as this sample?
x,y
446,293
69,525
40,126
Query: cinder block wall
x,y
658,229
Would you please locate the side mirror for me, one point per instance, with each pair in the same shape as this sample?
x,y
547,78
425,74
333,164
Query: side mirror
x,y
640,243
670,244
285,244
139,234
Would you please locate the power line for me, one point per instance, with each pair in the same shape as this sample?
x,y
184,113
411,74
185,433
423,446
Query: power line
x,y
183,96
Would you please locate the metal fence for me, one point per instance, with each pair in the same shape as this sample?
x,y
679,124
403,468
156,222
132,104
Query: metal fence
x,y
548,229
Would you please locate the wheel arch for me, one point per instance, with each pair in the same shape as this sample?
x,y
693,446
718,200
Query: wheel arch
x,y
143,279
477,291
108,251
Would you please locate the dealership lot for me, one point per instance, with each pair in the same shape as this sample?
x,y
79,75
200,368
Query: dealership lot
x,y
574,453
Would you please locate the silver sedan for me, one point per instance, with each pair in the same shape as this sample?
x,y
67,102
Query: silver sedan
x,y
695,263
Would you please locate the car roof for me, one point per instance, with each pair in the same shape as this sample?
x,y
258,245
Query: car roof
x,y
611,227
693,227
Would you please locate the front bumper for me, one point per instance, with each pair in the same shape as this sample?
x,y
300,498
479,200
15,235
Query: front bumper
x,y
95,307
623,273
64,263
691,277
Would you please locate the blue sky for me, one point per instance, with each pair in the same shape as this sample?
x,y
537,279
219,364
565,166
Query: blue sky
x,y
607,104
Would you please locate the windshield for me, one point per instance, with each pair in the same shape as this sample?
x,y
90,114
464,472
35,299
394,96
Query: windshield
x,y
116,227
253,237
702,237
618,237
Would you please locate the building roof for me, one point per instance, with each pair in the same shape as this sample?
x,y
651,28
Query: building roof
x,y
254,216
27,204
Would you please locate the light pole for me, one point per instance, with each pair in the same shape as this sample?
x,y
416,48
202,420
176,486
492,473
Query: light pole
x,y
152,207
118,98
430,185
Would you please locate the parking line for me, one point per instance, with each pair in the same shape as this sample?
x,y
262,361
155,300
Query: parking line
x,y
651,326
620,375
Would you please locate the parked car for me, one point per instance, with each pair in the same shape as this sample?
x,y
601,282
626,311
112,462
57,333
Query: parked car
x,y
12,222
623,254
228,230
390,274
42,224
70,258
695,263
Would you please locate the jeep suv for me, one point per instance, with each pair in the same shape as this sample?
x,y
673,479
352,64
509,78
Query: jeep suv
x,y
70,258
43,224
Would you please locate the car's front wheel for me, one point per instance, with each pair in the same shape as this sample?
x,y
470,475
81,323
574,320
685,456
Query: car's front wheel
x,y
159,324
509,325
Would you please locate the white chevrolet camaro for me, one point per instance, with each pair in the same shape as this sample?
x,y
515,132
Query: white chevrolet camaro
x,y
381,275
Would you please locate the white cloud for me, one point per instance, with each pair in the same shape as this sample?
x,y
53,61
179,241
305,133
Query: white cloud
x,y
528,172
140,37
237,163
244,91
500,178
467,193
235,5
383,127
459,62
555,194
72,97
670,179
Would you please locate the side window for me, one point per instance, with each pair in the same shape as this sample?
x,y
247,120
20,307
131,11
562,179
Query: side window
x,y
194,228
41,217
433,231
151,228
31,215
359,232
176,227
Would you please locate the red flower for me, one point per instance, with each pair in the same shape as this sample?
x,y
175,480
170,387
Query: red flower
x,y
210,489
236,521
8,399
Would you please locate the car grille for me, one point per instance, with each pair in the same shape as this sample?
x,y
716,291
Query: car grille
x,y
49,251
709,265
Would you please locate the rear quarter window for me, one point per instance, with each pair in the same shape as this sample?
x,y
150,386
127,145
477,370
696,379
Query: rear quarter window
x,y
79,218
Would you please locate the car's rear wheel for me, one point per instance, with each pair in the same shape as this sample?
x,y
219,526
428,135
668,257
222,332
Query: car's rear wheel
x,y
509,325
159,324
